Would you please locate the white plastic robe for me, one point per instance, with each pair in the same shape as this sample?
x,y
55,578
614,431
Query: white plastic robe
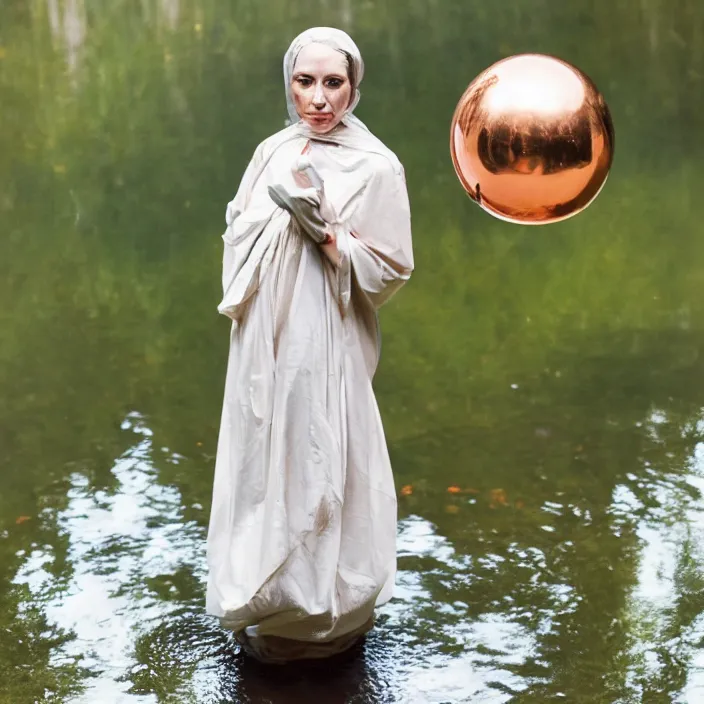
x,y
302,536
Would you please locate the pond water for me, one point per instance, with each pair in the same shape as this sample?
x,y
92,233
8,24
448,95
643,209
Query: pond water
x,y
542,389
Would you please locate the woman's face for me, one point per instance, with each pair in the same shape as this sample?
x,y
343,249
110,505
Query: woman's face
x,y
320,85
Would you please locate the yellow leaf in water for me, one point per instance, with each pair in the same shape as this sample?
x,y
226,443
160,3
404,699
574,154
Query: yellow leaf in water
x,y
453,489
498,496
200,444
451,508
407,490
198,27
22,519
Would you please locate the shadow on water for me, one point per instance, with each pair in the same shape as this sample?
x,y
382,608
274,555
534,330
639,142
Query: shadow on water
x,y
225,675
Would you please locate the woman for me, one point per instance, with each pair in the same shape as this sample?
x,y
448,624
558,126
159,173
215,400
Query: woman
x,y
302,537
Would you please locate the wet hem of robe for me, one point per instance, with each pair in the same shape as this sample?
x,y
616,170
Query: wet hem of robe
x,y
278,650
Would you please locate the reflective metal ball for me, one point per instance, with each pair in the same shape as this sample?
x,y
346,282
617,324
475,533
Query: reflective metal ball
x,y
532,140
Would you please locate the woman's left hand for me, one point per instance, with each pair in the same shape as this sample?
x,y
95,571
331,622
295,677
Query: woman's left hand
x,y
303,204
328,247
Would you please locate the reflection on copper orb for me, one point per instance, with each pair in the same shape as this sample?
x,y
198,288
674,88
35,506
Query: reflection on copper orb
x,y
532,140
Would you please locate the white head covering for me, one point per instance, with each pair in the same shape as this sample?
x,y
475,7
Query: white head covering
x,y
350,132
338,40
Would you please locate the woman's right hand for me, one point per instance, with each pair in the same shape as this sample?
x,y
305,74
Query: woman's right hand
x,y
331,251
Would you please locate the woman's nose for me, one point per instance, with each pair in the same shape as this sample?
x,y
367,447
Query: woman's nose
x,y
319,97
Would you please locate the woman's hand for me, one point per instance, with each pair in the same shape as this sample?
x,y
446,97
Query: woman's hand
x,y
330,250
304,205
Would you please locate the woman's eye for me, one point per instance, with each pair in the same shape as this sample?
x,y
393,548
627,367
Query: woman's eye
x,y
304,81
334,83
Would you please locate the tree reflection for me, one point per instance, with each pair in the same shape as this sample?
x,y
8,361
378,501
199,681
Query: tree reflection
x,y
560,555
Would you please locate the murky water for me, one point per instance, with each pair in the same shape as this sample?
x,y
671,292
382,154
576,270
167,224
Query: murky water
x,y
542,389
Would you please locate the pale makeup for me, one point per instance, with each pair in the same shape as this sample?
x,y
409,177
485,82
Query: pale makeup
x,y
321,87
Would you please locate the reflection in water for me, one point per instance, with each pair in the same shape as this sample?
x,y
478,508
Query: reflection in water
x,y
665,606
134,608
128,548
170,11
133,603
68,24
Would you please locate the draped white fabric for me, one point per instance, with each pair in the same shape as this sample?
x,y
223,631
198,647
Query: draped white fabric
x,y
302,536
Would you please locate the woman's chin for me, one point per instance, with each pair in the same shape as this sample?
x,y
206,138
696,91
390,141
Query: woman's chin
x,y
322,126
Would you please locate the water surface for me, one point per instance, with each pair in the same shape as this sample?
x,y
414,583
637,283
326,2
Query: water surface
x,y
541,388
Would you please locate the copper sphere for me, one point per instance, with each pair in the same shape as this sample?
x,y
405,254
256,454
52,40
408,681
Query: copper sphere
x,y
532,140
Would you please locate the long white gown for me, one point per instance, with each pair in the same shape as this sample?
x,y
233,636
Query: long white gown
x,y
302,536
